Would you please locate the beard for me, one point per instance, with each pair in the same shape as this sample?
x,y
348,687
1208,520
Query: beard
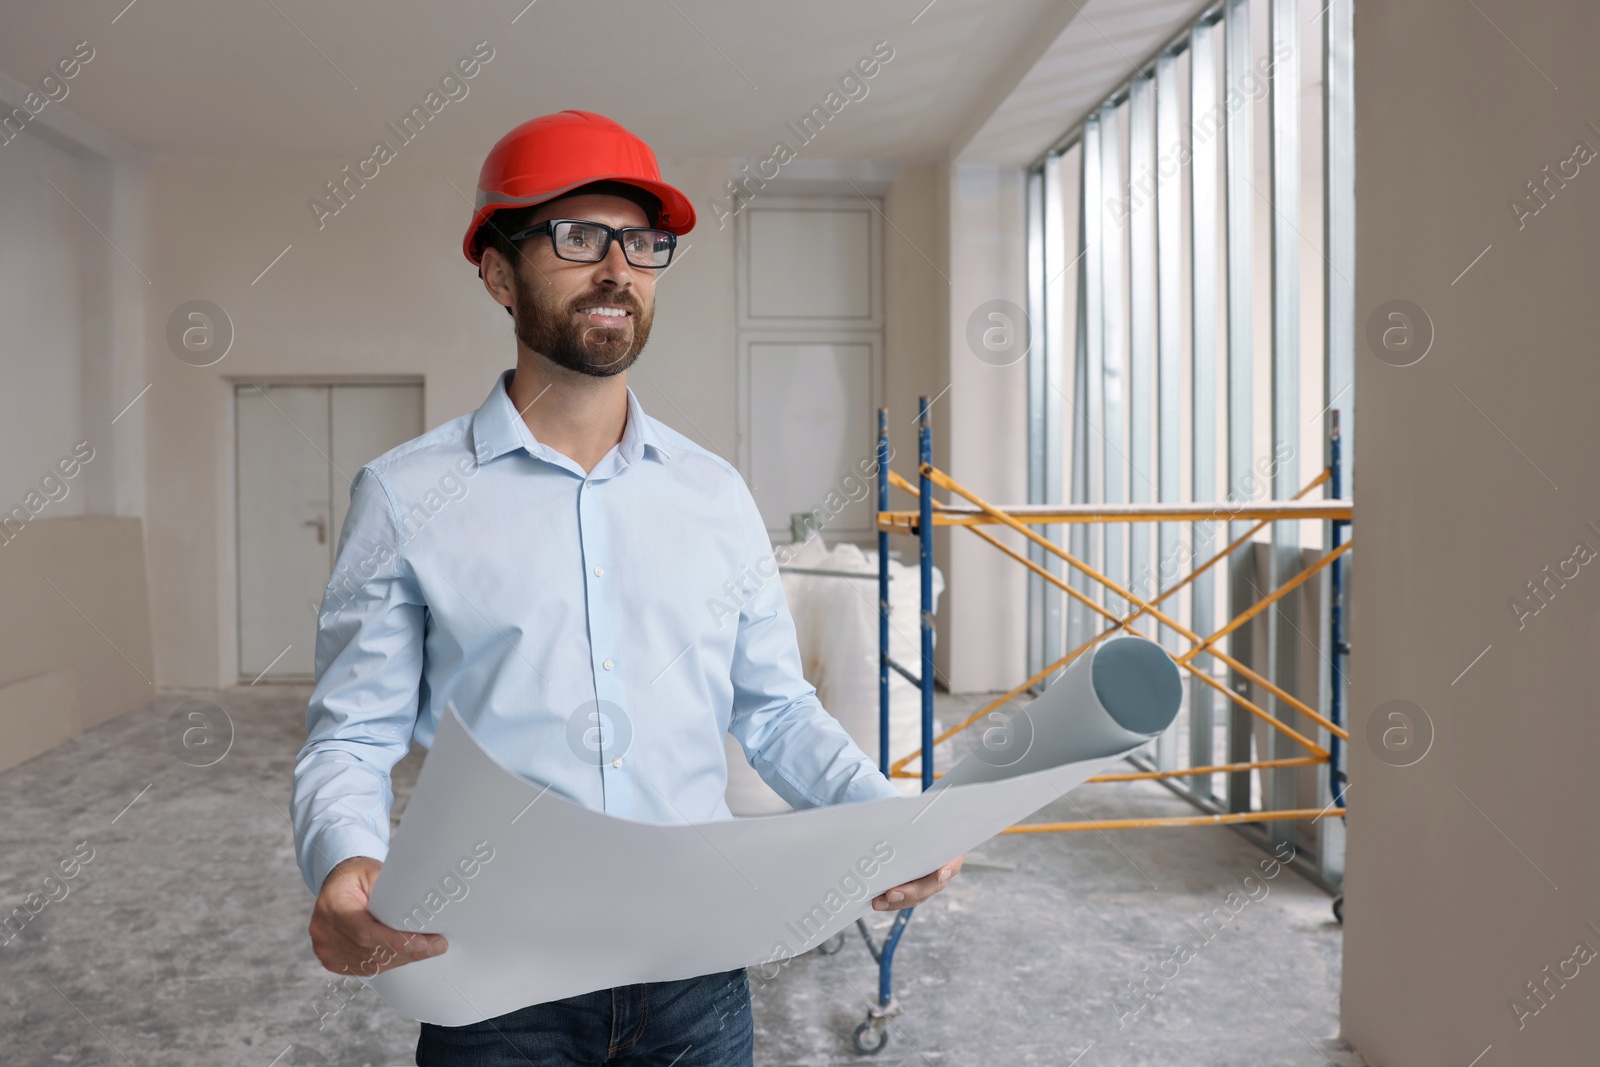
x,y
553,330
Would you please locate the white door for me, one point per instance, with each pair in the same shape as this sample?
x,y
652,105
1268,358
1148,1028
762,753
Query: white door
x,y
811,360
298,447
811,425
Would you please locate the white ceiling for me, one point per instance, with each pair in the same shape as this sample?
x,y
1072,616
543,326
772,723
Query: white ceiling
x,y
1106,42
978,79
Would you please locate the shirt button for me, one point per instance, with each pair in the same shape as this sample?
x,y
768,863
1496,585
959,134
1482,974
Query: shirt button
x,y
598,571
587,483
617,762
606,664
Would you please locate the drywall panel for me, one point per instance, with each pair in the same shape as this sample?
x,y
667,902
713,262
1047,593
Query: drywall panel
x,y
74,591
36,715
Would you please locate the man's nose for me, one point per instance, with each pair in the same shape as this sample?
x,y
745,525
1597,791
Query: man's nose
x,y
615,267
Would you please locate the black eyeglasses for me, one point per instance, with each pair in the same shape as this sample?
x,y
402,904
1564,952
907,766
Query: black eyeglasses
x,y
590,242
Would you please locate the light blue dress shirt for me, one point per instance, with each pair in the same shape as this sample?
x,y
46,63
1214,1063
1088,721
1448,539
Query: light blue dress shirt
x,y
599,633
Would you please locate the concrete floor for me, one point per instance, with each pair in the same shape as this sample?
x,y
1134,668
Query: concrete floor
x,y
182,941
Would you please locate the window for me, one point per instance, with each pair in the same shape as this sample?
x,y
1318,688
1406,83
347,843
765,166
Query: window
x,y
1190,262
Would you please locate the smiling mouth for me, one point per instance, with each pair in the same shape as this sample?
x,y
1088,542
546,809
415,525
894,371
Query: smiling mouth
x,y
605,314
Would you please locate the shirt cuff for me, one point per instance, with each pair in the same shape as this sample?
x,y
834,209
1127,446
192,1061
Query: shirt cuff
x,y
333,845
872,786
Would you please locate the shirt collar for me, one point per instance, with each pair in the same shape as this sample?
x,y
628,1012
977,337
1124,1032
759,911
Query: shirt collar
x,y
497,428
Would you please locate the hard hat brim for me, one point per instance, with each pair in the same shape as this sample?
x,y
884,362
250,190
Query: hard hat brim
x,y
677,212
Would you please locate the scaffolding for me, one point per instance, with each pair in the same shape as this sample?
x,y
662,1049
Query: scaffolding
x,y
976,513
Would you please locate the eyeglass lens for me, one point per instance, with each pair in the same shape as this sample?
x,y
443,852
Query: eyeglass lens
x,y
586,242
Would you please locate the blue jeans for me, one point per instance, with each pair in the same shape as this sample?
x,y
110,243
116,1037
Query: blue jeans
x,y
693,1022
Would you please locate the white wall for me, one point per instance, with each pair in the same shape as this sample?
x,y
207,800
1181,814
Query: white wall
x,y
383,289
980,429
380,289
1473,870
71,251
41,302
75,646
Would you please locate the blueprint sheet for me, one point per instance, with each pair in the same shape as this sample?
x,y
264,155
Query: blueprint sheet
x,y
541,898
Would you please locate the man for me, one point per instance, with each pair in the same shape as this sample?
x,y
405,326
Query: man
x,y
546,563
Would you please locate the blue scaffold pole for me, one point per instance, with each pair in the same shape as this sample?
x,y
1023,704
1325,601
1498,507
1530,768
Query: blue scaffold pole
x,y
872,1033
925,561
883,594
1337,780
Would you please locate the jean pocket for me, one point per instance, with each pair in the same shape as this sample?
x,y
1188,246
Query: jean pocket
x,y
733,995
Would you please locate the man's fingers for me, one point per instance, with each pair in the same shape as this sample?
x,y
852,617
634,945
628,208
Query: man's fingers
x,y
913,893
345,936
919,888
364,946
387,945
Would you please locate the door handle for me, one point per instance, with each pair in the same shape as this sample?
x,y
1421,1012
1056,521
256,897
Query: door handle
x,y
322,528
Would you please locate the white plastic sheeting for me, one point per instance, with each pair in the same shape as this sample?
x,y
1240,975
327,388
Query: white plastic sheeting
x,y
836,623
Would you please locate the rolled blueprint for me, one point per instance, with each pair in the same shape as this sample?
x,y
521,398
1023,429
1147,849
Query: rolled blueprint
x,y
542,898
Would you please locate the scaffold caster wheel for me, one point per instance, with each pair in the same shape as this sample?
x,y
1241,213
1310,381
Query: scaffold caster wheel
x,y
870,1037
1338,909
832,945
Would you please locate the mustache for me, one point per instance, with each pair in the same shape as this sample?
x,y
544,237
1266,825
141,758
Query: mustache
x,y
624,300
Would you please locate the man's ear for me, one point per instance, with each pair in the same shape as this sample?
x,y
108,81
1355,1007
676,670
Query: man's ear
x,y
506,306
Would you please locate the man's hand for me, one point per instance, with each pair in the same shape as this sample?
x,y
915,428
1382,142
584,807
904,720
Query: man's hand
x,y
913,893
347,939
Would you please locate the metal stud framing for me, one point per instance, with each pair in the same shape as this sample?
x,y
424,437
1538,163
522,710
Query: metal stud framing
x,y
1155,242
1239,195
1204,125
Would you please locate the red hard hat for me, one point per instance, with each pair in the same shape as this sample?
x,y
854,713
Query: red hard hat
x,y
554,154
